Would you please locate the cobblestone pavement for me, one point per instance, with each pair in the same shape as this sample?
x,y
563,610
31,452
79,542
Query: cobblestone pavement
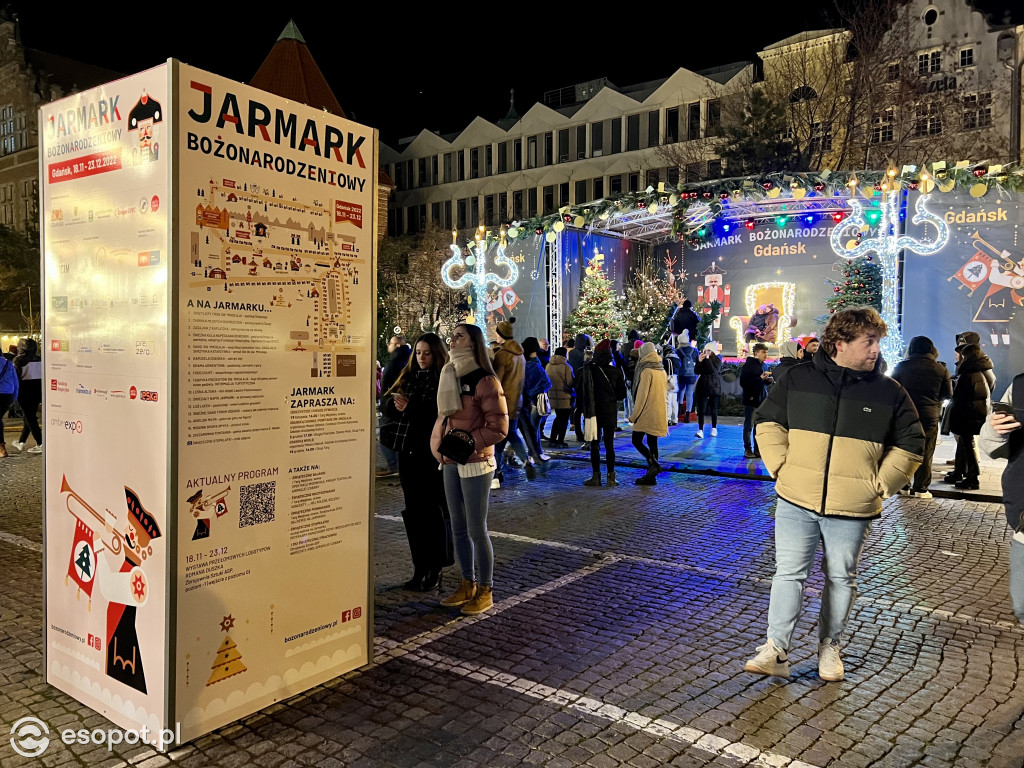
x,y
622,621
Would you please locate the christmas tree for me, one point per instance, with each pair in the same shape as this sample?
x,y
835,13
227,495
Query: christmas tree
x,y
597,314
859,285
648,306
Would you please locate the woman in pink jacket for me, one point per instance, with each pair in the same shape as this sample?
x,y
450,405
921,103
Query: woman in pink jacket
x,y
470,397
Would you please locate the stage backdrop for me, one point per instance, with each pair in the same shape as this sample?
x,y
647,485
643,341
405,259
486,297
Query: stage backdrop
x,y
526,299
724,267
579,249
975,283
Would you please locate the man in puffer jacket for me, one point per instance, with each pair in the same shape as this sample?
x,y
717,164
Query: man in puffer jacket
x,y
838,437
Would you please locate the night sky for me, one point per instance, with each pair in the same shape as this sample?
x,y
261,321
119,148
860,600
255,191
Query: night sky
x,y
441,73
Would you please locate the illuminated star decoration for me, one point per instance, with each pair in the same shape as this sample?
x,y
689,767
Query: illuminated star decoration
x,y
888,243
227,623
479,278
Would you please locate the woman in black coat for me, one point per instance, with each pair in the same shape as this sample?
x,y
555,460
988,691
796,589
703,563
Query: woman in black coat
x,y
599,388
709,387
969,406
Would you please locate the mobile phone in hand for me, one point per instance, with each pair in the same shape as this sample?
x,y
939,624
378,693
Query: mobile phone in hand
x,y
1000,407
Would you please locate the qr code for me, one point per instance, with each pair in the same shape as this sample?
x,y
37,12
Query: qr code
x,y
257,504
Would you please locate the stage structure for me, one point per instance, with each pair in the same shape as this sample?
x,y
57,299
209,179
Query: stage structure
x,y
209,262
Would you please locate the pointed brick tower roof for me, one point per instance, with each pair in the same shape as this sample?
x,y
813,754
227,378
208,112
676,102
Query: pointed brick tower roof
x,y
289,71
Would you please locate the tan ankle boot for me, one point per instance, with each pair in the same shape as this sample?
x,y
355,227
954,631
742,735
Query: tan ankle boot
x,y
483,601
466,591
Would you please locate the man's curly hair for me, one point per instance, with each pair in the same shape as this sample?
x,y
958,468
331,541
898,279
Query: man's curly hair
x,y
847,324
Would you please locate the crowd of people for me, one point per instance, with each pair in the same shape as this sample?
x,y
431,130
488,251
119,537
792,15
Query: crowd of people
x,y
868,437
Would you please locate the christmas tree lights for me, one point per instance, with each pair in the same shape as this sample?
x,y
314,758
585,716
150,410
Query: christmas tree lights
x,y
597,314
478,277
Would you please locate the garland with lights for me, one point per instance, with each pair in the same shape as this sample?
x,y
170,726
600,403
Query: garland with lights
x,y
977,179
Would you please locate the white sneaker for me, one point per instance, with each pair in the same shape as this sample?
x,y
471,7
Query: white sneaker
x,y
770,660
714,431
699,434
830,666
922,494
19,446
495,484
35,449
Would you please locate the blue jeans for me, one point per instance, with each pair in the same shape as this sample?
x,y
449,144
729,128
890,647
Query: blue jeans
x,y
467,504
797,533
518,446
748,428
1017,578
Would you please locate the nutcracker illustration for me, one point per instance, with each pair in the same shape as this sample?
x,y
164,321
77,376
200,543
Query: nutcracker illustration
x,y
714,290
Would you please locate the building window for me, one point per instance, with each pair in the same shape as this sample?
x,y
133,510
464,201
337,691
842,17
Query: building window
x,y
652,179
821,138
517,204
672,125
460,164
634,182
448,178
563,193
531,152
463,209
503,157
503,211
616,136
929,121
694,172
977,111
893,75
563,145
596,139
653,124
632,132
615,184
489,160
599,188
474,210
581,142
714,169
549,148
549,200
693,121
714,117
474,163
517,155
531,197
581,192
489,211
882,126
929,63
966,57
433,169
447,214
673,176
421,172
435,213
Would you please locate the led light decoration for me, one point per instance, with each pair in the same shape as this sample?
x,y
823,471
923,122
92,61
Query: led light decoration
x,y
887,243
478,277
753,298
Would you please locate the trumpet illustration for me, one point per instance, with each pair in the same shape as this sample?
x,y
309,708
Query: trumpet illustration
x,y
199,509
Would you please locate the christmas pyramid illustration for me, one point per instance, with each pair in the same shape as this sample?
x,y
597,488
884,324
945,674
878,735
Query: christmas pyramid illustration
x,y
227,663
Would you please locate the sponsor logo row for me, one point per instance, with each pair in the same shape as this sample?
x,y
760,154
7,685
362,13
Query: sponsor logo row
x,y
146,395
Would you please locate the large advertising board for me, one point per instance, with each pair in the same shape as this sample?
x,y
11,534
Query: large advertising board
x,y
275,306
104,167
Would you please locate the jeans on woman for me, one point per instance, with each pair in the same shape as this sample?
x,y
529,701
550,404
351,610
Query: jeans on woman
x,y
468,498
707,404
650,453
606,423
797,535
560,424
685,393
1017,577
512,438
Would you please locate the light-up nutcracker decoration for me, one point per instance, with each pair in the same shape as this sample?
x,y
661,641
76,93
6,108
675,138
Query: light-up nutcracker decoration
x,y
887,243
475,272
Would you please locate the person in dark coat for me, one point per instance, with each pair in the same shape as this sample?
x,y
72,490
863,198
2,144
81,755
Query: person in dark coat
x,y
684,319
791,353
754,380
599,388
577,359
970,409
929,385
709,387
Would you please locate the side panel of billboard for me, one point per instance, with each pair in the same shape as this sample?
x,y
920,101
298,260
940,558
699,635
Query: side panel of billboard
x,y
105,202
